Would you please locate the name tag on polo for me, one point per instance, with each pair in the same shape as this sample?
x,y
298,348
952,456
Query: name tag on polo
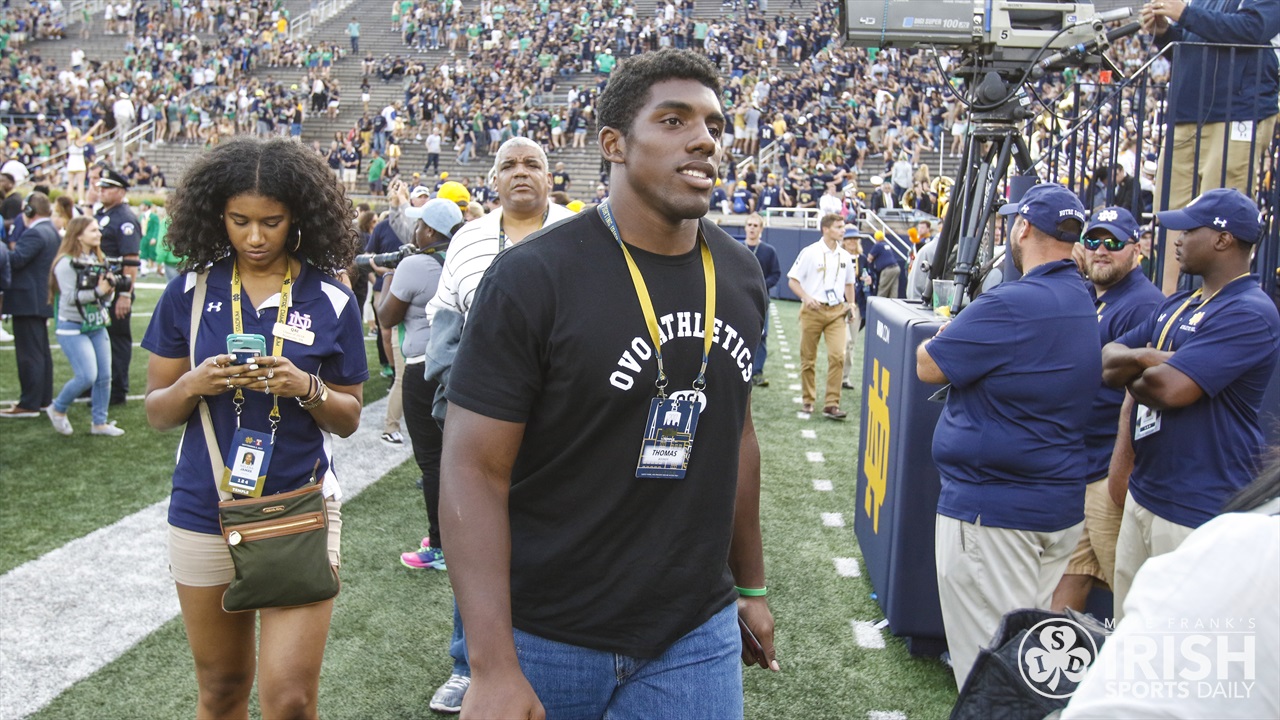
x,y
1146,423
293,334
668,438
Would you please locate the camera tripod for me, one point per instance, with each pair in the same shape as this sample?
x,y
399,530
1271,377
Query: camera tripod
x,y
994,141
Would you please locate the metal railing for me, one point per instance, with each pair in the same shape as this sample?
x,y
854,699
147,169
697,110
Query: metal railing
x,y
901,247
321,11
1222,148
1076,142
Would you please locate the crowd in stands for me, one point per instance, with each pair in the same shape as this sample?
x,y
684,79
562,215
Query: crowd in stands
x,y
805,111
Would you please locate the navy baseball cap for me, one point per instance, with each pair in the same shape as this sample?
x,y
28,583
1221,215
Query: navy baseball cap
x,y
1223,209
1047,204
1115,220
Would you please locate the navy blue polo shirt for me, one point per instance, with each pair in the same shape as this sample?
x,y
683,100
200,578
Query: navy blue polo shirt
x,y
1203,453
318,302
1122,307
1024,363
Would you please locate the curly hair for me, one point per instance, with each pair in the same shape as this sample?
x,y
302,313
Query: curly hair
x,y
628,88
280,169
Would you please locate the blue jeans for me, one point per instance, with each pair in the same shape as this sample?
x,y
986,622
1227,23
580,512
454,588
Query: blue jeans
x,y
90,356
762,352
458,645
699,677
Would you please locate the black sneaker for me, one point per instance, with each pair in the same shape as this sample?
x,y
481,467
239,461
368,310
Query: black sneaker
x,y
759,381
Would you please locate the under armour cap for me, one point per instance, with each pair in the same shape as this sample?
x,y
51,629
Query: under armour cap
x,y
1047,205
439,214
1223,209
1115,220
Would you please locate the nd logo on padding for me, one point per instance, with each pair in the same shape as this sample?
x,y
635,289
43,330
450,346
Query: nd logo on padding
x,y
876,460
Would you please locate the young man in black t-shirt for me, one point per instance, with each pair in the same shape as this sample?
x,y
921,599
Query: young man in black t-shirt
x,y
562,545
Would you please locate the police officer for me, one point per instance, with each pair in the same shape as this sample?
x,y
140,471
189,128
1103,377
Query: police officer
x,y
121,236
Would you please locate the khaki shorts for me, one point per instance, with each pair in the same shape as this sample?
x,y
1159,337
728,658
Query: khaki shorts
x,y
203,560
1095,555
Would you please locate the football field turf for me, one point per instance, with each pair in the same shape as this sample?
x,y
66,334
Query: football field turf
x,y
81,546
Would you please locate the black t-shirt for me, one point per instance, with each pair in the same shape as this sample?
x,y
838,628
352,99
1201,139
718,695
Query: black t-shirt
x,y
556,340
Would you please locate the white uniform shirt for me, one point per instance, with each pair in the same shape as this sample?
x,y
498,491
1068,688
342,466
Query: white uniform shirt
x,y
470,252
820,269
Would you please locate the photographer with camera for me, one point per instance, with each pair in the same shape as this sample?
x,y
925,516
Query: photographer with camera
x,y
27,301
121,237
410,286
85,285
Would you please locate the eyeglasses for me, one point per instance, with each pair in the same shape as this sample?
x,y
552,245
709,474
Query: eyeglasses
x,y
1112,244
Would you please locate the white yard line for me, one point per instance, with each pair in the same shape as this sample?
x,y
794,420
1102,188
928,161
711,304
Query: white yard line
x,y
823,485
847,567
54,633
866,634
815,457
833,519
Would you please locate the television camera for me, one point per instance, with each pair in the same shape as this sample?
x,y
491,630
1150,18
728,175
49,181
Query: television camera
x,y
89,274
1004,44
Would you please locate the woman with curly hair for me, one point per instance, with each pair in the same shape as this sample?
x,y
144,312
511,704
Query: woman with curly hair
x,y
263,224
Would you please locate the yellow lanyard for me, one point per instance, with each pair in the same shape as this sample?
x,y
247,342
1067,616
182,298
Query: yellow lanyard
x,y
646,304
1160,343
277,343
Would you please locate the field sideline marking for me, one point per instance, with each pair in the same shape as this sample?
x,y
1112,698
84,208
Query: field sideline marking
x,y
833,519
867,635
822,485
53,633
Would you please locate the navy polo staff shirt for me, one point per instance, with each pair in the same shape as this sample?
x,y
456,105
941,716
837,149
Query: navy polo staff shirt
x,y
321,304
1024,361
1125,305
1203,453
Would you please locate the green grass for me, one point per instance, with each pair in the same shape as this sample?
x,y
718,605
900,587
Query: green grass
x,y
388,648
60,488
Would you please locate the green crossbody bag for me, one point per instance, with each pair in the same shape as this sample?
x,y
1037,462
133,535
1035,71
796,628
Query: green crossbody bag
x,y
279,543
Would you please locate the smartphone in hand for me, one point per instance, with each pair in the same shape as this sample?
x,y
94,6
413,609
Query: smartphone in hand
x,y
244,346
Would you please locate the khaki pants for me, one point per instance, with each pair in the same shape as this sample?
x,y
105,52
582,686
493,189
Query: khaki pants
x,y
984,572
1095,555
1143,535
1208,175
826,322
887,287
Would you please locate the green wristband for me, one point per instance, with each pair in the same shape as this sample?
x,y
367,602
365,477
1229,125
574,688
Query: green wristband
x,y
751,592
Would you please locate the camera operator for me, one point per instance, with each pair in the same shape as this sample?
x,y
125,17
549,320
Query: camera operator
x,y
121,237
85,286
27,300
411,285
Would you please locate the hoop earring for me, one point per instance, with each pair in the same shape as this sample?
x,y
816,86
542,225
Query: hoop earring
x,y
298,245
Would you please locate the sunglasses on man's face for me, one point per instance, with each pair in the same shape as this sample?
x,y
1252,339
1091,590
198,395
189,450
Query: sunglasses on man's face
x,y
1111,243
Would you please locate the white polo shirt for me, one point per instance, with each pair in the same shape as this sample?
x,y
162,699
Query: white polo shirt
x,y
820,269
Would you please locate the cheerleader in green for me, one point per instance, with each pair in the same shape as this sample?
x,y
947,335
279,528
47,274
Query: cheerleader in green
x,y
147,251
